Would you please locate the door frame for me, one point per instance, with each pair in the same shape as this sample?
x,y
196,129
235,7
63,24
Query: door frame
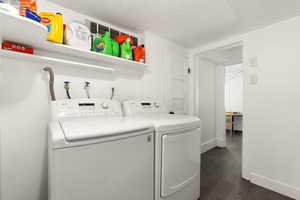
x,y
194,96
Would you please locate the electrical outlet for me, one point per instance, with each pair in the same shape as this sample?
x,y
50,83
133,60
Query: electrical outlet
x,y
253,62
253,79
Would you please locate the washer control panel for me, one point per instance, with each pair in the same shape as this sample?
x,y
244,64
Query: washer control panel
x,y
142,106
85,107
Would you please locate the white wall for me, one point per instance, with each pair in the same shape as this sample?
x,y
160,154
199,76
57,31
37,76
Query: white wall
x,y
272,107
234,88
210,95
206,102
271,124
220,106
24,105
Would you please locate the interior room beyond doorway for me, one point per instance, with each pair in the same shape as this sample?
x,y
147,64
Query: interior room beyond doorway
x,y
234,99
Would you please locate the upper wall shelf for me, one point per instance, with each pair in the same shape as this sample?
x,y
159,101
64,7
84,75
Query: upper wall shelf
x,y
25,31
88,55
52,61
20,29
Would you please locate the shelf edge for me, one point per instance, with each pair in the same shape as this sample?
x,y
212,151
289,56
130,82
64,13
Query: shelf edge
x,y
50,60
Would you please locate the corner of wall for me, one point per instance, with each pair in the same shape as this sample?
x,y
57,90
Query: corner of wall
x,y
221,143
206,146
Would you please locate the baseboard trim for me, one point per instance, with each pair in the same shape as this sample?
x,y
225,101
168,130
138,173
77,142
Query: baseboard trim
x,y
221,143
206,146
276,186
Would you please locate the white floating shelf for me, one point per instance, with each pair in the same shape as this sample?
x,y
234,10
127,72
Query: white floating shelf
x,y
89,55
52,61
20,29
28,32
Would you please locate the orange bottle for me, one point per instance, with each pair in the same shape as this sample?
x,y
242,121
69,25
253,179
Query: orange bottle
x,y
27,4
139,54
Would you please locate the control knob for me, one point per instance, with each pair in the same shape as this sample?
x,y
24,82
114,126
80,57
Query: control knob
x,y
156,105
104,105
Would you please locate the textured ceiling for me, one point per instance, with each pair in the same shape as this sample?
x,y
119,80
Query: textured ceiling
x,y
188,22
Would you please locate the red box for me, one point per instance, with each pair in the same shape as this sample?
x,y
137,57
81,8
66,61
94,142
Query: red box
x,y
16,47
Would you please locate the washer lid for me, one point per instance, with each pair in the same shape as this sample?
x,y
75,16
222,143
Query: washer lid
x,y
83,128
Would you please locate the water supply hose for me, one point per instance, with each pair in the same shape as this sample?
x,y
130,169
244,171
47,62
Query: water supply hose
x,y
51,82
67,87
87,87
112,93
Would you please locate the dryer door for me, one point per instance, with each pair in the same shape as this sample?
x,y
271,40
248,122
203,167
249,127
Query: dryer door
x,y
180,160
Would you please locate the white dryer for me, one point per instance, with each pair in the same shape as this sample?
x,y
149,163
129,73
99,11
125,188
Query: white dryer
x,y
177,149
94,153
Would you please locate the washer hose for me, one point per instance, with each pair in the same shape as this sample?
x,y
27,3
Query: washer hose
x,y
112,93
51,82
67,87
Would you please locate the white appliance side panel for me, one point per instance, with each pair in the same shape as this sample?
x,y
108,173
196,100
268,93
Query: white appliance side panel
x,y
121,169
180,161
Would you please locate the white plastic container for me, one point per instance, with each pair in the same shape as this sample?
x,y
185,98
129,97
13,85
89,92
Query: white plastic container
x,y
78,35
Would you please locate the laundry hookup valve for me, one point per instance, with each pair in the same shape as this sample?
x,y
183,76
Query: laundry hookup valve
x,y
67,88
87,88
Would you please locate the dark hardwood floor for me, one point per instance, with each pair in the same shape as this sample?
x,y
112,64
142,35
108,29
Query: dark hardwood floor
x,y
221,175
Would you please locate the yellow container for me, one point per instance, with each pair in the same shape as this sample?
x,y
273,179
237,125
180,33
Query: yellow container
x,y
55,26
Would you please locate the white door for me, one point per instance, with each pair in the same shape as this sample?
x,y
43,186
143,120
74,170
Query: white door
x,y
179,84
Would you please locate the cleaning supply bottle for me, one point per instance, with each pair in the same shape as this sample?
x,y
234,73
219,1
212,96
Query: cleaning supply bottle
x,y
139,54
126,51
122,38
103,44
115,48
54,24
27,4
32,15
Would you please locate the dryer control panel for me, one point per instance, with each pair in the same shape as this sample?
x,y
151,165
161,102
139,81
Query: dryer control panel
x,y
133,107
85,107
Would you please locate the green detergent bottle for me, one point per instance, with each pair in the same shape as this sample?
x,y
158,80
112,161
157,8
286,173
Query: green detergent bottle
x,y
126,51
115,48
103,44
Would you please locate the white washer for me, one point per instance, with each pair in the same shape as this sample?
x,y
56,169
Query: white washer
x,y
95,153
177,149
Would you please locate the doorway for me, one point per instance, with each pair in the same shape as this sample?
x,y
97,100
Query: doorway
x,y
219,98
